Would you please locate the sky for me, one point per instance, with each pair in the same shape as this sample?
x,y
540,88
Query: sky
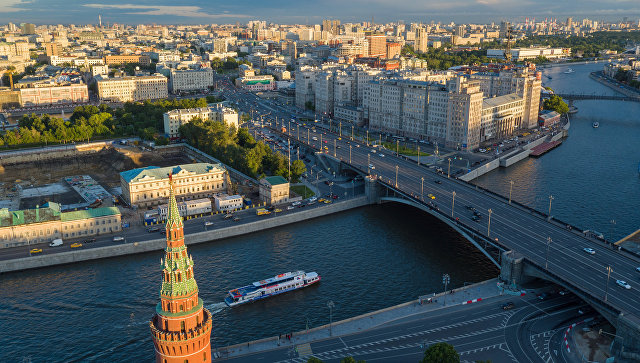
x,y
308,11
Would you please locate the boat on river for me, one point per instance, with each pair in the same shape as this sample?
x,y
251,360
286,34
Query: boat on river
x,y
569,71
595,125
272,286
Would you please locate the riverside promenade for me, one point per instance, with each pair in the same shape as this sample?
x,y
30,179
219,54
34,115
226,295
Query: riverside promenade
x,y
277,348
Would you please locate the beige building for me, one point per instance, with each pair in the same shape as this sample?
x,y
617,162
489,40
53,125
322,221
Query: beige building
x,y
144,187
133,88
46,223
71,93
191,79
176,118
274,190
227,203
122,59
500,116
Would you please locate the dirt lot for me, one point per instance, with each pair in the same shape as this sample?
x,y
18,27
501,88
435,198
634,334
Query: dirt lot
x,y
104,167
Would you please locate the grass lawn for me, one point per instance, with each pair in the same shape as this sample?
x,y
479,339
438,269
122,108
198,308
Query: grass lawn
x,y
403,150
301,190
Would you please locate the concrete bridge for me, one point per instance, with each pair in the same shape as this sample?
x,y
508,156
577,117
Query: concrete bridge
x,y
524,242
577,96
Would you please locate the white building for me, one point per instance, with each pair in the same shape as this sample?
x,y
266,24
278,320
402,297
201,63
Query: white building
x,y
187,208
519,54
191,79
217,112
72,93
257,83
125,89
227,203
500,116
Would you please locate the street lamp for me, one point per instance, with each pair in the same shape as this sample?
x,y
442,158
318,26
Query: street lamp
x,y
340,125
453,201
349,154
330,305
396,176
418,155
510,188
546,263
422,189
352,133
550,199
334,148
445,280
368,163
367,141
449,168
489,225
397,147
606,289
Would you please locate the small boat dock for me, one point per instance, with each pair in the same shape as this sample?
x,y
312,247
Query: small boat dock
x,y
544,147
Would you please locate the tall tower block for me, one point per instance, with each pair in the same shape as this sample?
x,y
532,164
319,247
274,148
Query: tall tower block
x,y
181,326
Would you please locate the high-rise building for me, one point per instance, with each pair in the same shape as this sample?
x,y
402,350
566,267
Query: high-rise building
x,y
181,326
377,44
331,26
52,49
421,40
569,22
28,28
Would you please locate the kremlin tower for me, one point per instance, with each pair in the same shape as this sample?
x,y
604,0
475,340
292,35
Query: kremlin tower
x,y
181,326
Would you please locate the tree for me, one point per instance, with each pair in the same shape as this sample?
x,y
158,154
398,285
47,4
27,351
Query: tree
x,y
555,103
351,360
309,106
441,353
297,169
314,360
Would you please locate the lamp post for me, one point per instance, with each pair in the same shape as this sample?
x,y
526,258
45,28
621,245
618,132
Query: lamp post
x,y
445,280
367,140
489,225
334,148
453,202
449,168
349,154
422,189
330,305
418,155
308,138
396,176
340,126
368,163
397,147
550,200
546,263
320,141
510,188
606,289
352,133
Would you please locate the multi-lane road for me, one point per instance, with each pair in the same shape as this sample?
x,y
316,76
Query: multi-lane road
x,y
529,332
548,245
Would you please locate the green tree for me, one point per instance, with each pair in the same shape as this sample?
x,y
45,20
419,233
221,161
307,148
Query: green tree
x,y
297,169
351,360
309,106
441,353
555,103
314,360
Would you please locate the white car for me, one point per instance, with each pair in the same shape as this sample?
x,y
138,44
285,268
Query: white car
x,y
382,155
371,167
624,284
590,251
638,269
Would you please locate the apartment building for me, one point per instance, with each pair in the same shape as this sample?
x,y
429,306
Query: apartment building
x,y
122,59
144,187
274,190
53,95
47,222
176,118
125,89
520,54
464,114
190,79
500,116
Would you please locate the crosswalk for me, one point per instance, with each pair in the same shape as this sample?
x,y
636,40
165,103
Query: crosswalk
x,y
304,350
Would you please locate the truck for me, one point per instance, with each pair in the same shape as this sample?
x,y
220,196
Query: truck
x,y
56,242
262,212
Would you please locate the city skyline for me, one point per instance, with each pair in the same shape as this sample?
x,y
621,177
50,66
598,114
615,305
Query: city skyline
x,y
292,12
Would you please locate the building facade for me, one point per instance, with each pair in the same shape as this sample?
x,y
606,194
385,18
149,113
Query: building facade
x,y
274,190
257,83
72,93
181,326
126,89
228,203
145,187
122,59
46,223
176,118
191,79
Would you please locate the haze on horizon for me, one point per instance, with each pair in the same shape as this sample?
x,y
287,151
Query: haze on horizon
x,y
311,12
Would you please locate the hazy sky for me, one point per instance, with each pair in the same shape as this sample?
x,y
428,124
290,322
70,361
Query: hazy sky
x,y
307,11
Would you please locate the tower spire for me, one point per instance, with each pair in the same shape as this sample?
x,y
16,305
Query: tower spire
x,y
181,326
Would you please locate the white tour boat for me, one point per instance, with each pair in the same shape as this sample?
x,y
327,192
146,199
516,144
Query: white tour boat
x,y
272,286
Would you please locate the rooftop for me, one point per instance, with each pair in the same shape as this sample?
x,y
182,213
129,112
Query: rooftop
x,y
157,173
275,180
500,100
89,213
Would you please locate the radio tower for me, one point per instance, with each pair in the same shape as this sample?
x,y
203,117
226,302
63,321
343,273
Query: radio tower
x,y
507,51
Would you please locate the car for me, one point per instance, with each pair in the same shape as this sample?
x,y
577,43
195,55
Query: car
x,y
278,210
153,229
477,214
382,155
508,306
476,218
357,145
543,296
301,205
90,240
431,196
334,196
623,283
371,167
471,208
638,269
208,224
119,238
373,151
236,219
590,251
291,207
437,181
321,200
327,201
34,251
564,292
76,245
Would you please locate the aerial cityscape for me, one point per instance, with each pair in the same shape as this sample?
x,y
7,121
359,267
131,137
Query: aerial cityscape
x,y
320,182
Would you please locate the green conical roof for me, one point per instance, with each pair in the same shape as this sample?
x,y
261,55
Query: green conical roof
x,y
174,219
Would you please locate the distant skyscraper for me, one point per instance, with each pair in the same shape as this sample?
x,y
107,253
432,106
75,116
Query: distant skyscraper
x,y
181,326
569,22
28,28
422,40
100,21
377,44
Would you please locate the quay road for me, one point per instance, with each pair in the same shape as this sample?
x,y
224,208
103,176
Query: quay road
x,y
550,246
529,332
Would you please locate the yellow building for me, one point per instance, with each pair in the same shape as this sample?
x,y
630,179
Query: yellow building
x,y
274,190
144,187
46,223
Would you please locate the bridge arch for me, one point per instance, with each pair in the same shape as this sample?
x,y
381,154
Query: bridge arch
x,y
458,228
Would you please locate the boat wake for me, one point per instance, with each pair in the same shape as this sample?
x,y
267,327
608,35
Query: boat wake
x,y
216,307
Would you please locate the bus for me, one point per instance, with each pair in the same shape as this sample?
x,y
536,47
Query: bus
x,y
262,212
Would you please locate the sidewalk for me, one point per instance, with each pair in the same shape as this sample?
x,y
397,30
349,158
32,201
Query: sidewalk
x,y
461,296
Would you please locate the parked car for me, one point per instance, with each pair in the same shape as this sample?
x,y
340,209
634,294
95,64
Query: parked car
x,y
118,238
56,242
508,306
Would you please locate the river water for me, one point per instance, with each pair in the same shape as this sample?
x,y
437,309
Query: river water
x,y
593,176
369,258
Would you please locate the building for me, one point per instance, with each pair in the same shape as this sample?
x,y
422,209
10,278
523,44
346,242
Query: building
x,y
257,83
227,203
520,54
501,116
190,79
422,40
176,118
393,50
28,28
181,326
195,207
52,49
54,95
274,190
548,118
123,89
46,223
9,98
144,187
144,60
377,44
